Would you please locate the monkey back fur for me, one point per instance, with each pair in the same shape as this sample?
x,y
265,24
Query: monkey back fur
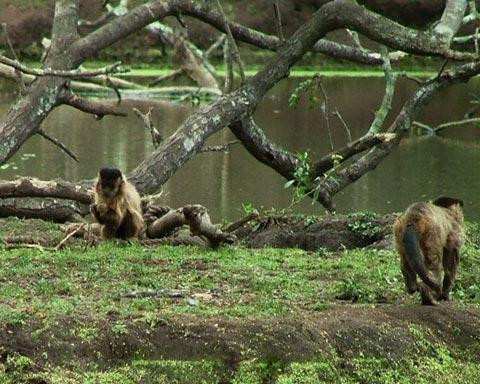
x,y
428,237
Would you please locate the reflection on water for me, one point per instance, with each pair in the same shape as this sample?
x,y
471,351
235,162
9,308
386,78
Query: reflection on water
x,y
421,168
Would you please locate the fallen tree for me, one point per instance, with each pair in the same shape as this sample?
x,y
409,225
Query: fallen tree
x,y
52,87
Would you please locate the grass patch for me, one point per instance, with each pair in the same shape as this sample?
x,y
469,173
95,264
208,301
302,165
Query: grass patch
x,y
236,284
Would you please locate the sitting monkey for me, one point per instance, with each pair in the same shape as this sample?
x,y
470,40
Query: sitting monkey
x,y
117,206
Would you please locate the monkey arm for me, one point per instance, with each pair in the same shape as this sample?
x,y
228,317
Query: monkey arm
x,y
95,212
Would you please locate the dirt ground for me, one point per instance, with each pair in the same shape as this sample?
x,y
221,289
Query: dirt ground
x,y
370,330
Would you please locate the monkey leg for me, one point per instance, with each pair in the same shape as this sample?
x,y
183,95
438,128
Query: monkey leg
x,y
127,228
451,258
409,277
426,295
111,222
109,231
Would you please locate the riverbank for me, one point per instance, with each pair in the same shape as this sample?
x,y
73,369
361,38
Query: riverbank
x,y
234,315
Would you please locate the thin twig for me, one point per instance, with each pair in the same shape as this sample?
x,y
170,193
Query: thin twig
x,y
278,18
169,76
21,83
59,144
412,78
61,243
112,85
154,293
215,45
337,113
97,108
240,223
442,68
234,47
456,123
325,111
227,57
147,122
423,126
97,22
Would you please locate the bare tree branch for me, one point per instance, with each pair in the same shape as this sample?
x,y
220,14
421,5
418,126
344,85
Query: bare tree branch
x,y
32,187
96,23
384,109
219,148
450,22
147,122
97,108
169,76
114,68
227,58
232,43
400,128
217,44
278,18
337,114
19,78
58,143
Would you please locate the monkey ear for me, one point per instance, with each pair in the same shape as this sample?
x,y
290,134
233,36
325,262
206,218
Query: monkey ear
x,y
445,201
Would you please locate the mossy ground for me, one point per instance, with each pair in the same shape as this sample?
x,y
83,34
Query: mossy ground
x,y
263,316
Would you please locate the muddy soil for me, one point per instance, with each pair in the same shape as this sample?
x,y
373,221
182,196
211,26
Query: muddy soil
x,y
332,233
372,330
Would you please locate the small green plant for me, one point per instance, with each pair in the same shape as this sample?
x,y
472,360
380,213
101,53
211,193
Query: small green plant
x,y
305,185
249,208
120,329
364,224
309,86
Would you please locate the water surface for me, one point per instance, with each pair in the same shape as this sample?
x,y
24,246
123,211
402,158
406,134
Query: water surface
x,y
421,168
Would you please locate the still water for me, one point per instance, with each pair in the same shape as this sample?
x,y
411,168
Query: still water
x,y
421,168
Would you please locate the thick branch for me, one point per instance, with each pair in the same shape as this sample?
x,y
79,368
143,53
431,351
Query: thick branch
x,y
346,14
400,127
97,108
351,149
259,146
197,218
450,22
114,68
384,109
31,187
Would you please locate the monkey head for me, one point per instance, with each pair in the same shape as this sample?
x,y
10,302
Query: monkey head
x,y
453,205
446,202
110,181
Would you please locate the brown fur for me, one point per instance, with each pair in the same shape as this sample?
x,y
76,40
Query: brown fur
x,y
428,237
117,206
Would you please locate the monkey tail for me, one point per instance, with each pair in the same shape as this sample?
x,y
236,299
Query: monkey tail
x,y
414,256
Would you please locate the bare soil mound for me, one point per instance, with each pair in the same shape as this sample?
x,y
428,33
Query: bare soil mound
x,y
392,332
356,230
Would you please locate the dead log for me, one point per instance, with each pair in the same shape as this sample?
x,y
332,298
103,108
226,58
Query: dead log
x,y
59,211
197,218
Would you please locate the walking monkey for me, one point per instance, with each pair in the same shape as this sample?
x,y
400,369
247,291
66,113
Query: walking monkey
x,y
117,205
428,237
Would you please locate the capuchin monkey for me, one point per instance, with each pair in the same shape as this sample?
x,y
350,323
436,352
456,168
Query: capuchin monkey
x,y
117,206
428,237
